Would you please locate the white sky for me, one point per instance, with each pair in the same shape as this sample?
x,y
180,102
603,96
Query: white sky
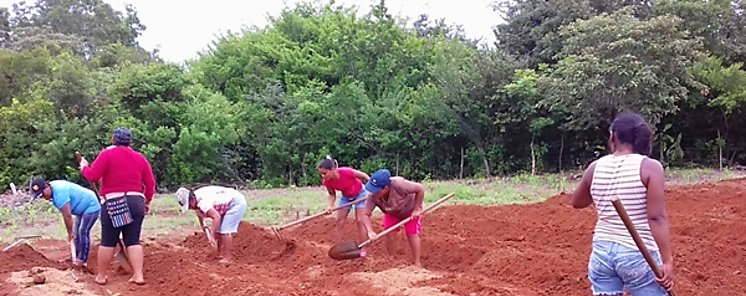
x,y
182,28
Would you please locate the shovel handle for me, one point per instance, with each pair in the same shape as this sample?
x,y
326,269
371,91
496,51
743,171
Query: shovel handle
x,y
407,220
73,256
619,207
314,216
78,158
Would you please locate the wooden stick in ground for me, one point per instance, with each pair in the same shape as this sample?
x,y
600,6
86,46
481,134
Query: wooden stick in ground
x,y
636,236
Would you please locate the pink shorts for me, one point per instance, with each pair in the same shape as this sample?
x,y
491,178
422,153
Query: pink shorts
x,y
411,228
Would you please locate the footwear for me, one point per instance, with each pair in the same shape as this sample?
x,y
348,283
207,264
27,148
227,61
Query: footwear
x,y
100,282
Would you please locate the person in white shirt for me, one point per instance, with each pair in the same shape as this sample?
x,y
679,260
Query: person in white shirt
x,y
226,206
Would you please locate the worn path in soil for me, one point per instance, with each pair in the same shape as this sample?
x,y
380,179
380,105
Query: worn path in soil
x,y
537,249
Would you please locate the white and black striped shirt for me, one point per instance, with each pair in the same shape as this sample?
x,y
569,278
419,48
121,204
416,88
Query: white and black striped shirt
x,y
620,176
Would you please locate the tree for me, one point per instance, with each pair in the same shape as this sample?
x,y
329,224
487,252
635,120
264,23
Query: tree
x,y
617,62
726,93
95,22
531,27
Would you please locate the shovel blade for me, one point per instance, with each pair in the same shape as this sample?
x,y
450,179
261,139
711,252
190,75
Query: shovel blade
x,y
345,250
123,262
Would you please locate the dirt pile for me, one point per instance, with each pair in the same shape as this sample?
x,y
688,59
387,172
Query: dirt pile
x,y
252,244
538,249
22,257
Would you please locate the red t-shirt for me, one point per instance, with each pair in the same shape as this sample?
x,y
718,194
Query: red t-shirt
x,y
347,183
122,169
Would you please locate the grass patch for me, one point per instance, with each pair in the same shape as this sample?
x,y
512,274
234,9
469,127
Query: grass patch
x,y
278,206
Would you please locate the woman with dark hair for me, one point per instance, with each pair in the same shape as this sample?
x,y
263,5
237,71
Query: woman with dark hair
x,y
616,264
349,182
127,188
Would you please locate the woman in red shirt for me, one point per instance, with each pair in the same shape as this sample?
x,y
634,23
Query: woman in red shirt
x,y
127,188
349,182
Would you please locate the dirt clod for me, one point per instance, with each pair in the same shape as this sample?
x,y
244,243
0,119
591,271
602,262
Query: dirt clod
x,y
39,279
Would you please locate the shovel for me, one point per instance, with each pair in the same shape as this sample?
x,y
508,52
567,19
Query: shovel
x,y
619,207
73,254
208,235
19,240
276,230
351,250
121,256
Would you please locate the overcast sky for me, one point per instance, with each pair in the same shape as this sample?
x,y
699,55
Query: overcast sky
x,y
181,28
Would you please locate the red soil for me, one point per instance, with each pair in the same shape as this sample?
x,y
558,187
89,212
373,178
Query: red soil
x,y
538,249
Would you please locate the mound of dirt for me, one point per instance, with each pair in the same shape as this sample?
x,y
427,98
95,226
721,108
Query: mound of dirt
x,y
22,257
252,244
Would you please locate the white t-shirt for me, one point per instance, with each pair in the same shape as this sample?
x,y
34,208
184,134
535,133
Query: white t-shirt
x,y
216,197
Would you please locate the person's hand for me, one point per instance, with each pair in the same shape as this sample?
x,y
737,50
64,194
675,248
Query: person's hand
x,y
328,210
83,163
71,236
147,209
372,235
416,214
667,280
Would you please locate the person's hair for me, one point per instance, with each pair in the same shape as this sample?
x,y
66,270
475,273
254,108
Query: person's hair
x,y
328,163
630,128
122,137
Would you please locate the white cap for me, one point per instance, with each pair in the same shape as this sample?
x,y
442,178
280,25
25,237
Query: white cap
x,y
182,196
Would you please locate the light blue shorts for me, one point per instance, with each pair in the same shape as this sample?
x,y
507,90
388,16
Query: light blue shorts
x,y
344,199
233,216
613,267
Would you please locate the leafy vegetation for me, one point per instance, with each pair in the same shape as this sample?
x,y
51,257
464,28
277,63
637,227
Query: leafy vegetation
x,y
263,106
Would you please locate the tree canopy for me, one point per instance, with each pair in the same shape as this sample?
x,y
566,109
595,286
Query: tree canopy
x,y
264,105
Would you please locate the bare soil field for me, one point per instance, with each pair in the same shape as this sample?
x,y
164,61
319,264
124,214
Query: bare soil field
x,y
534,249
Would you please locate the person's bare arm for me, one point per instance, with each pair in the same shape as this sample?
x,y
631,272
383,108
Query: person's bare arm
x,y
418,190
332,199
67,216
581,197
365,219
216,220
653,173
362,176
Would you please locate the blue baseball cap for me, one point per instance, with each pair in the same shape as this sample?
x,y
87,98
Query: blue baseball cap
x,y
378,180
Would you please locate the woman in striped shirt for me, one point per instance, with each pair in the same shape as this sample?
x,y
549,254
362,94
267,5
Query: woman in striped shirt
x,y
616,263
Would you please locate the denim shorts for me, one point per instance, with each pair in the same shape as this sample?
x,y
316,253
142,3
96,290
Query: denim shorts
x,y
613,268
344,199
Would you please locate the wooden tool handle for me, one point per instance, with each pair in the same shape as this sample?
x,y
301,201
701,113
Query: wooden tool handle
x,y
405,221
73,256
636,236
319,214
78,158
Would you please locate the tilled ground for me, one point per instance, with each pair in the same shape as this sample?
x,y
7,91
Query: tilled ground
x,y
538,249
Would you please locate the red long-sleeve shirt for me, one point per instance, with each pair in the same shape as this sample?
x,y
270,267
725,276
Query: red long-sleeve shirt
x,y
122,169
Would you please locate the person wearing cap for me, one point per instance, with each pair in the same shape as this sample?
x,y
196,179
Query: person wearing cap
x,y
127,188
225,206
72,200
398,199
